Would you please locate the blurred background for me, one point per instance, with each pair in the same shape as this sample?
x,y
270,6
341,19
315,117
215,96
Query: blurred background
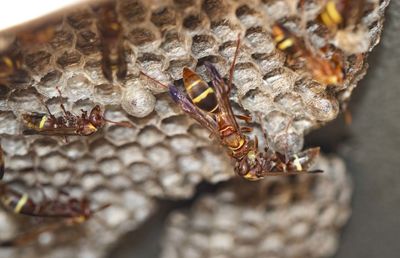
x,y
372,151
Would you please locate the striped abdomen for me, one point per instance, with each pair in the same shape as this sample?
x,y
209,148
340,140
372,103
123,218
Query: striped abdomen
x,y
8,66
201,94
37,121
282,40
331,15
18,203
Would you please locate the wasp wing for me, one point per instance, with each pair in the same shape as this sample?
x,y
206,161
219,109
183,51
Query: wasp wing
x,y
222,91
63,131
188,107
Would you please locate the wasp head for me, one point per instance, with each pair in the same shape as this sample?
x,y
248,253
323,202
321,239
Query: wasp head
x,y
250,166
96,117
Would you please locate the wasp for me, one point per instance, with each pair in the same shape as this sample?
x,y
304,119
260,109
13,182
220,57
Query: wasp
x,y
69,124
21,203
327,71
71,211
10,62
342,18
112,49
210,106
340,14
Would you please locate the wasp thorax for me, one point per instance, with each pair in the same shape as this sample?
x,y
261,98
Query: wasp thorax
x,y
234,141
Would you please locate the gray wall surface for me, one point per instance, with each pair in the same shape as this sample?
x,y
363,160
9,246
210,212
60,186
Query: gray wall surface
x,y
372,152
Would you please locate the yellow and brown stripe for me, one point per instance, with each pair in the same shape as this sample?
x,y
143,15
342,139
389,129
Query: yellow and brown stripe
x,y
237,147
35,121
282,40
331,16
201,94
231,138
21,203
16,204
7,66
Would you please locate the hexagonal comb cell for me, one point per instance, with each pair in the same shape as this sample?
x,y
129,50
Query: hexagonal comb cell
x,y
281,217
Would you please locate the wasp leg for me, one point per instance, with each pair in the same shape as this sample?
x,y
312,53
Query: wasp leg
x,y
232,68
68,114
246,129
264,131
47,108
246,118
287,141
256,143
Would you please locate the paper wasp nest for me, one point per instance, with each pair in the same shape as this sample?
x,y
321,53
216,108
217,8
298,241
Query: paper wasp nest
x,y
166,154
281,217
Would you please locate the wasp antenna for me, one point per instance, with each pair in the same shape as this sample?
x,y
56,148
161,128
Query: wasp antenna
x,y
315,171
234,61
99,219
154,80
45,105
59,91
103,207
122,123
